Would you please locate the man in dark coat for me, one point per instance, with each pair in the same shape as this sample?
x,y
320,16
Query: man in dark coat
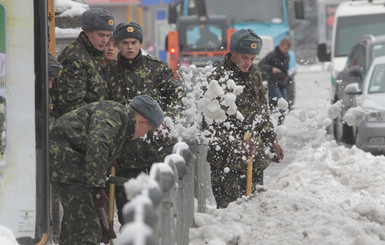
x,y
82,143
134,74
274,69
229,149
83,80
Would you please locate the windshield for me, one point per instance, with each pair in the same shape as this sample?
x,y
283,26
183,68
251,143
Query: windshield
x,y
204,36
377,81
247,10
349,30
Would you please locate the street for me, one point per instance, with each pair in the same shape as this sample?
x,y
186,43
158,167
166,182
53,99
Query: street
x,y
312,97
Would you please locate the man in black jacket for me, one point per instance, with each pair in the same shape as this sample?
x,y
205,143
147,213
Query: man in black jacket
x,y
274,69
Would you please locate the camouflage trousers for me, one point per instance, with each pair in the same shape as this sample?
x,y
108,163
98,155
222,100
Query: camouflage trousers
x,y
137,159
230,184
80,224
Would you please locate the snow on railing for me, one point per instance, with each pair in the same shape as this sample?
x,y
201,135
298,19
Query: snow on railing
x,y
161,206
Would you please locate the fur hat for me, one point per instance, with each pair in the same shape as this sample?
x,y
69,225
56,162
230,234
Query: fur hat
x,y
246,42
130,30
149,108
54,67
98,19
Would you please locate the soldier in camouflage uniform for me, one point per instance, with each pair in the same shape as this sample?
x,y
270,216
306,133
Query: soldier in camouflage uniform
x,y
82,143
133,74
228,151
83,80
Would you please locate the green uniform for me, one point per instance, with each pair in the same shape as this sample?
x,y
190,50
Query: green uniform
x,y
82,80
82,143
228,164
151,76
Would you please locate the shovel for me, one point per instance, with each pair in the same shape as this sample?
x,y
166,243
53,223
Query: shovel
x,y
249,178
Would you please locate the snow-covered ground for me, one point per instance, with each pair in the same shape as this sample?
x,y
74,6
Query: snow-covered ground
x,y
323,193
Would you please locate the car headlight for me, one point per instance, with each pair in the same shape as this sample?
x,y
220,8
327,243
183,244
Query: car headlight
x,y
375,116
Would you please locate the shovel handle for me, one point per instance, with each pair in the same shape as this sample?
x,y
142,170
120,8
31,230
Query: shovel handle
x,y
249,178
112,197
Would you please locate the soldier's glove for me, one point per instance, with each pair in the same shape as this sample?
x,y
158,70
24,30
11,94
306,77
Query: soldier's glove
x,y
99,197
278,152
250,147
108,234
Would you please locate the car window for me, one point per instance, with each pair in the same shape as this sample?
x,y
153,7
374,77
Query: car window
x,y
377,81
359,57
378,50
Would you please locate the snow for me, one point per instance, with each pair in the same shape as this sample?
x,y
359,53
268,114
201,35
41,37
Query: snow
x,y
69,8
328,193
7,237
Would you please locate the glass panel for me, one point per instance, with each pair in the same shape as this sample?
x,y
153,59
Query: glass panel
x,y
203,36
3,56
247,10
350,29
377,81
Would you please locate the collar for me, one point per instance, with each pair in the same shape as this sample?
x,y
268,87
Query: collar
x,y
94,52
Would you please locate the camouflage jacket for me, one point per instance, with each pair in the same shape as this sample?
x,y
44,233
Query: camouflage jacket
x,y
85,140
82,80
144,75
252,104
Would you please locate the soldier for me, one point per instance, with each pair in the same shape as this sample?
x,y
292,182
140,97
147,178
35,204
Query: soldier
x,y
83,79
228,149
54,71
134,74
82,143
110,52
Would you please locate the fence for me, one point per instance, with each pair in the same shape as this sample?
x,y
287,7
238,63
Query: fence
x,y
161,207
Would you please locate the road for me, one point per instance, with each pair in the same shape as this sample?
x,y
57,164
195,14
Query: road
x,y
312,98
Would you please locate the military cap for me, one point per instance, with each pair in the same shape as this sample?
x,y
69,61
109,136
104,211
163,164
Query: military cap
x,y
149,108
130,30
246,42
54,67
98,19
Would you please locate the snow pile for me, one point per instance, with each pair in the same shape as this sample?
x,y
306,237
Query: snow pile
x,y
329,193
328,196
7,237
69,8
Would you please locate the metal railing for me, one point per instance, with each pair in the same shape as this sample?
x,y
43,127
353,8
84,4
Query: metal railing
x,y
161,207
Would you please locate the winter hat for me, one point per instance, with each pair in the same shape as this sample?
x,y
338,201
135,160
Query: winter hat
x,y
246,42
98,19
149,108
130,30
54,67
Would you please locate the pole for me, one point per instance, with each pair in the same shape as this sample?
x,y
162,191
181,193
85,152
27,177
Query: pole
x,y
51,22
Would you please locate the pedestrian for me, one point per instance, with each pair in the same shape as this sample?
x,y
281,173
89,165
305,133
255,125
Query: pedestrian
x,y
134,74
229,149
83,79
293,68
110,52
274,67
82,143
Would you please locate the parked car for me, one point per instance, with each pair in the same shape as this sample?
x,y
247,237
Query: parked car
x,y
370,96
355,70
